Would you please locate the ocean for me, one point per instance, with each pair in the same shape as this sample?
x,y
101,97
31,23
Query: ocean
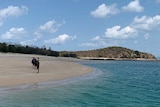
x,y
111,84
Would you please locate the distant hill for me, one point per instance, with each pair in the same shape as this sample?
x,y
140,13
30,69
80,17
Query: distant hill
x,y
114,53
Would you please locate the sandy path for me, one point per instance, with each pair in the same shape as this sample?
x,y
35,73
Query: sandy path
x,y
16,69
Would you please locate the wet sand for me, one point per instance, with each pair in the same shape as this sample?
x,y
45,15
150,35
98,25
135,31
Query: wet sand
x,y
16,69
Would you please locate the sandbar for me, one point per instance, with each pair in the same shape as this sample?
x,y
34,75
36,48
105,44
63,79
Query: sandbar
x,y
16,69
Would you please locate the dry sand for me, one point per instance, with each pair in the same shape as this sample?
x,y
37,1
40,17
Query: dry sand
x,y
16,69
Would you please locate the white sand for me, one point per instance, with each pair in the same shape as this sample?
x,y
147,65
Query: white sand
x,y
16,69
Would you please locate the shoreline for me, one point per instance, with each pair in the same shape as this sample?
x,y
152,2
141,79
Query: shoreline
x,y
17,70
45,84
116,59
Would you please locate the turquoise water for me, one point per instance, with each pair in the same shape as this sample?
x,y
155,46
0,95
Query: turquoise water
x,y
112,84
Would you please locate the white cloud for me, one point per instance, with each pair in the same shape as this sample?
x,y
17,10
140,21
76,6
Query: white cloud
x,y
117,32
61,39
32,41
11,11
88,44
96,38
113,36
146,36
146,23
14,33
99,41
98,44
133,6
104,11
27,42
49,27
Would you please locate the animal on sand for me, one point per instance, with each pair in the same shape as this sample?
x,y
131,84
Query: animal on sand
x,y
35,62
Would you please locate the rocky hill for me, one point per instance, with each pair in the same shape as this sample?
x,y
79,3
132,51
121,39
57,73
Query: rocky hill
x,y
117,53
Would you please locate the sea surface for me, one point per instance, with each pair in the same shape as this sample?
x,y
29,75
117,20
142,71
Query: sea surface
x,y
111,84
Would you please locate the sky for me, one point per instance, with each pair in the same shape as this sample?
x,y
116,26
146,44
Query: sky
x,y
73,25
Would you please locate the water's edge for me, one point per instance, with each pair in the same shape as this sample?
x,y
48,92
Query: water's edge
x,y
95,72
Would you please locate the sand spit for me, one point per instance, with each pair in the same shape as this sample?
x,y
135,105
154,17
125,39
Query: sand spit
x,y
16,69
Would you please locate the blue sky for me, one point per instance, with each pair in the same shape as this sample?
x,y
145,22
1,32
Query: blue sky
x,y
82,24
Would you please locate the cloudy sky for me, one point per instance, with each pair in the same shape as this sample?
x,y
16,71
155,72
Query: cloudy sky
x,y
82,24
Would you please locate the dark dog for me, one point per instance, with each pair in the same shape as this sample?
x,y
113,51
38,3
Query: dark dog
x,y
35,62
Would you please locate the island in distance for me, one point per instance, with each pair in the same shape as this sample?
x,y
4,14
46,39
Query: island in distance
x,y
112,53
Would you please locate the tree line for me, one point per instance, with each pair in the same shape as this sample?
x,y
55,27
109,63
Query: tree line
x,y
17,48
110,52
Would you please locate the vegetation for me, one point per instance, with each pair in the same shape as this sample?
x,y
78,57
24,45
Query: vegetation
x,y
16,48
110,52
115,53
67,54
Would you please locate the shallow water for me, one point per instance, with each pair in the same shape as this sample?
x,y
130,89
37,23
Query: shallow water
x,y
112,84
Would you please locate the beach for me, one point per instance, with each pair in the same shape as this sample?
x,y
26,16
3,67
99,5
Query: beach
x,y
62,82
17,69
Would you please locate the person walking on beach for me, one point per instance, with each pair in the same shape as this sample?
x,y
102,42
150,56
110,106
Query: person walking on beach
x,y
37,64
33,61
